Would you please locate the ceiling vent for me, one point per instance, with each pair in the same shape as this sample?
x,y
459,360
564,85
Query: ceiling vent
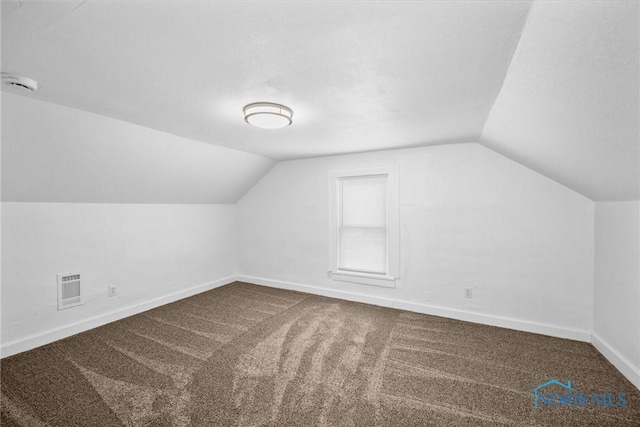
x,y
19,82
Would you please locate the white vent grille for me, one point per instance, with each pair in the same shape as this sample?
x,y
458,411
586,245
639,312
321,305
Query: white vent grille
x,y
69,290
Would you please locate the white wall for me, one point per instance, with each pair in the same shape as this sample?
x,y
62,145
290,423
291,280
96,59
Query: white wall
x,y
469,218
148,211
617,285
148,251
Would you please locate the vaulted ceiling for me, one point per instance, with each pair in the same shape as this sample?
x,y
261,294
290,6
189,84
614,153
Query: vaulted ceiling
x,y
553,85
569,104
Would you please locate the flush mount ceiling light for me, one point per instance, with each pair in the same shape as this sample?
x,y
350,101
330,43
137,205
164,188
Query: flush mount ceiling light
x,y
267,115
19,82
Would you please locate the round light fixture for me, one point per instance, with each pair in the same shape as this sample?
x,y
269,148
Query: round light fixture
x,y
268,115
19,82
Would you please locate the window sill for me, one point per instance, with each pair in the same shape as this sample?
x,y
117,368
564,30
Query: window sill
x,y
364,279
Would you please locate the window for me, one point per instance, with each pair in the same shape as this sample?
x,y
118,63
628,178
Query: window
x,y
364,226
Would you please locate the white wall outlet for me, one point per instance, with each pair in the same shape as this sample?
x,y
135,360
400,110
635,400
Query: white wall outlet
x,y
112,290
468,293
426,296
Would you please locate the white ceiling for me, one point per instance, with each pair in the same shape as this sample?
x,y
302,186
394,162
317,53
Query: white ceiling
x,y
57,154
360,76
569,105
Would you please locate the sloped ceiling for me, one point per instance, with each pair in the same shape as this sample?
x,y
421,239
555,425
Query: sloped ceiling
x,y
569,105
360,76
57,154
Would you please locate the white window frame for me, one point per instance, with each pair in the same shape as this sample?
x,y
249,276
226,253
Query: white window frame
x,y
393,228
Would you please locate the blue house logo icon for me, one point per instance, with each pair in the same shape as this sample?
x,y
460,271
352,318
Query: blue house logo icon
x,y
568,396
537,391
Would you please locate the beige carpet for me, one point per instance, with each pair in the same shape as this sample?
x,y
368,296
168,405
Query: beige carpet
x,y
254,356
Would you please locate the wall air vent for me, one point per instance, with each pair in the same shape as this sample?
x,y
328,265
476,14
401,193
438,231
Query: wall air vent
x,y
20,83
69,290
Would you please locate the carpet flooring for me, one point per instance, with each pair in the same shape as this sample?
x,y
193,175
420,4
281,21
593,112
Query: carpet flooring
x,y
246,355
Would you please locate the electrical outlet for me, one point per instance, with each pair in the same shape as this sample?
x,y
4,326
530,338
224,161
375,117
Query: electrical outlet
x,y
112,290
468,293
426,296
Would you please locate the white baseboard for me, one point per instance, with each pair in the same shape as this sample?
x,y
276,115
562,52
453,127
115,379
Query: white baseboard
x,y
502,322
622,364
332,293
486,319
631,372
52,335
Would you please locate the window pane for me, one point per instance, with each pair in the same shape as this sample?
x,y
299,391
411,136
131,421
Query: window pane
x,y
363,249
364,201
